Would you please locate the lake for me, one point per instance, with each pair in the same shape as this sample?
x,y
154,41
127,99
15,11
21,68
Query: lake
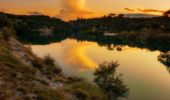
x,y
145,76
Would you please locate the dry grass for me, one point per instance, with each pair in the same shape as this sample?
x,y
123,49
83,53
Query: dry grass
x,y
21,81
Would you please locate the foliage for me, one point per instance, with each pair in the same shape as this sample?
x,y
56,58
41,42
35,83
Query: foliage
x,y
7,32
119,24
166,13
152,33
165,59
85,90
51,65
28,28
107,79
33,81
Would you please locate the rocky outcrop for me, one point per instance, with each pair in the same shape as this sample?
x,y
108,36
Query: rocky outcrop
x,y
24,53
20,51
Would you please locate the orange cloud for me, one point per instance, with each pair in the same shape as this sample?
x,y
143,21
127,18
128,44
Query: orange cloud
x,y
144,10
129,9
151,10
72,9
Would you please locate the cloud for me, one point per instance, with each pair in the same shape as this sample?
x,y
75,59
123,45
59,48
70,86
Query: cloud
x,y
35,13
144,10
151,10
129,9
72,9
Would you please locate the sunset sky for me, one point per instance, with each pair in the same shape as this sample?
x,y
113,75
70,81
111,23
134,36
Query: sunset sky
x,y
71,9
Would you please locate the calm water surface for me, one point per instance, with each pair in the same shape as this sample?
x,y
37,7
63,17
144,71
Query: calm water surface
x,y
146,77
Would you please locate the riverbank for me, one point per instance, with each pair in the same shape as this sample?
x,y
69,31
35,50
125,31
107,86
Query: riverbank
x,y
25,76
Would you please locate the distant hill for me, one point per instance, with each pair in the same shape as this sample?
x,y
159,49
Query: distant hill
x,y
140,15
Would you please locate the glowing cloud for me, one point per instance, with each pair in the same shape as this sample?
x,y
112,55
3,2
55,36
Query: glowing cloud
x,y
144,10
150,10
72,9
75,55
129,9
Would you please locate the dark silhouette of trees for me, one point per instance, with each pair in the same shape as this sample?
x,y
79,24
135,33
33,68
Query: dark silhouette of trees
x,y
112,15
4,21
121,15
29,29
167,13
109,81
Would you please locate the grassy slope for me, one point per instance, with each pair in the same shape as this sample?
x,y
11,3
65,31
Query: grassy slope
x,y
18,78
39,80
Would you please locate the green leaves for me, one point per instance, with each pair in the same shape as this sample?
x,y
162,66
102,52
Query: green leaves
x,y
109,81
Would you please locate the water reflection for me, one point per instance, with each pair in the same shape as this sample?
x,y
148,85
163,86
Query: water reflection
x,y
164,58
70,54
74,54
146,77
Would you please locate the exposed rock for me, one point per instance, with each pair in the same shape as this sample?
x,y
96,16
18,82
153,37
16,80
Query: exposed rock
x,y
22,52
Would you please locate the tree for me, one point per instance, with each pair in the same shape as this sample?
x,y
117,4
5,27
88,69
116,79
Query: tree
x,y
7,32
4,21
167,13
109,81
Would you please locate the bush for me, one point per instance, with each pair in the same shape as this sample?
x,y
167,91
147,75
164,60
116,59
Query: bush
x,y
7,32
49,61
4,21
81,94
51,66
87,91
37,63
109,81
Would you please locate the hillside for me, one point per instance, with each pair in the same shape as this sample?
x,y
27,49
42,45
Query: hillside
x,y
24,76
35,28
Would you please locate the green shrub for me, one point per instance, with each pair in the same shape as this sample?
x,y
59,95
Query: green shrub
x,y
109,81
81,94
49,60
51,65
7,32
37,63
87,91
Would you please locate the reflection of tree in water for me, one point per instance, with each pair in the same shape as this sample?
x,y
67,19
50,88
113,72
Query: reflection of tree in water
x,y
110,82
133,40
115,47
165,59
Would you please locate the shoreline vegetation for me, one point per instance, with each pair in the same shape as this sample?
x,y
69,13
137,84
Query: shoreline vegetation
x,y
151,33
25,76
